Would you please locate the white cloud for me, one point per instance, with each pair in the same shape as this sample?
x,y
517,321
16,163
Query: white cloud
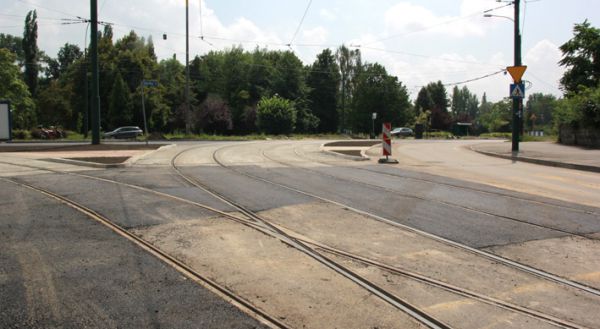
x,y
405,18
327,15
542,67
317,35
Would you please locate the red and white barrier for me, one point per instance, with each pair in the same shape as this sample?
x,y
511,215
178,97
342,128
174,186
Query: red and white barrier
x,y
386,136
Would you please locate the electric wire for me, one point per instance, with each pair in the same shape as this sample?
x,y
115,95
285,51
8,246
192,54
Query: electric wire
x,y
300,24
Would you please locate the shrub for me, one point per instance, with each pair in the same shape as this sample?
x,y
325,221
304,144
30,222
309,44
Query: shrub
x,y
21,134
276,115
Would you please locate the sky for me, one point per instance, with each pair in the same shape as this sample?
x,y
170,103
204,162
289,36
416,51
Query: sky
x,y
417,41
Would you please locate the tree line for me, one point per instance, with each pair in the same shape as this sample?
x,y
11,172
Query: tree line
x,y
237,91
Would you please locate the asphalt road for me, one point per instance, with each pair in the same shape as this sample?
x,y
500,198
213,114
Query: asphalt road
x,y
59,268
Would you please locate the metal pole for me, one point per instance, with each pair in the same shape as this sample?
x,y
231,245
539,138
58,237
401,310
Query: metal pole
x,y
95,84
144,114
517,102
372,127
187,70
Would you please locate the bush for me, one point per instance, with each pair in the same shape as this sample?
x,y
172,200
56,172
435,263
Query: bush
x,y
582,109
496,135
21,134
276,115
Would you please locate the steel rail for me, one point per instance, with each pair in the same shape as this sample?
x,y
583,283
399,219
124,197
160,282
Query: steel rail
x,y
408,196
415,276
508,196
184,269
383,294
525,268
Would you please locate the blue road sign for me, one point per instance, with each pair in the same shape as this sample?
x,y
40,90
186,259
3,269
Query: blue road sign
x,y
517,90
150,83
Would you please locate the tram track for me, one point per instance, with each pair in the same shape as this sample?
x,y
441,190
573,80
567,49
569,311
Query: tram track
x,y
523,267
259,223
460,187
419,198
184,269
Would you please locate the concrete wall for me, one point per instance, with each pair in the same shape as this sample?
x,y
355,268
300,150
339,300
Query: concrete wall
x,y
587,137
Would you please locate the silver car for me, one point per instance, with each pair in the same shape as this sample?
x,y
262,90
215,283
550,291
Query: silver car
x,y
124,132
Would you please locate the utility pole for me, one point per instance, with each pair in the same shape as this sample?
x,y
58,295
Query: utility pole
x,y
95,84
187,70
517,101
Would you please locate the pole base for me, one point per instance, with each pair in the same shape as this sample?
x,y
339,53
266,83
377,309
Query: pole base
x,y
387,160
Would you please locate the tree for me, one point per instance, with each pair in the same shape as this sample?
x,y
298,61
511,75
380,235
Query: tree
x,y
377,91
423,102
498,118
581,57
582,109
120,109
323,80
464,104
539,109
30,51
276,115
54,106
350,65
14,89
440,118
214,116
67,55
13,44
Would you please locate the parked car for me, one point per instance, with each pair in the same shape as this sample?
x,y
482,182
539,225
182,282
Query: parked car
x,y
124,132
402,131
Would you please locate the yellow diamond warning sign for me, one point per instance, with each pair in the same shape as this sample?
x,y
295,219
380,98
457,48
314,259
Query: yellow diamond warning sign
x,y
516,72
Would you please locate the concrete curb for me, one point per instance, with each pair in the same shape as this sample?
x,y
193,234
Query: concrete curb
x,y
87,164
363,157
540,161
129,162
332,151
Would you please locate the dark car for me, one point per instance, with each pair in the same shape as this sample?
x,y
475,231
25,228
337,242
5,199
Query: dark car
x,y
124,132
402,131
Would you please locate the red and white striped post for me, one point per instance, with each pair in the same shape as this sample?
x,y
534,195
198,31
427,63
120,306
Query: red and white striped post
x,y
386,145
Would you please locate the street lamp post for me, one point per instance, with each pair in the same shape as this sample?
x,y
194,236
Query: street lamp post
x,y
95,74
187,70
517,111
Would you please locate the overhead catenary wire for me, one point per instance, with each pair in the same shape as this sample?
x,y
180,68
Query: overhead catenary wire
x,y
300,24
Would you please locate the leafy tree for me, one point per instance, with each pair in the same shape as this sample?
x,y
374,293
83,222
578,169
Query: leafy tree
x,y
54,106
214,116
581,57
30,51
120,109
423,102
465,105
498,118
582,109
157,110
67,55
172,78
440,118
539,109
14,89
14,44
377,91
323,80
350,65
276,115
